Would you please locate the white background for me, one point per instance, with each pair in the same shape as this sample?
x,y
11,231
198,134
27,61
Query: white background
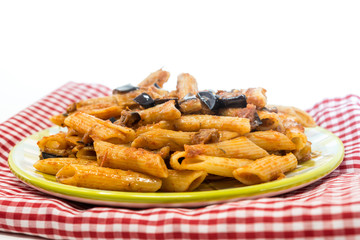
x,y
300,51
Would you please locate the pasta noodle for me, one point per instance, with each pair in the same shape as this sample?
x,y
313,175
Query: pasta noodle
x,y
220,166
186,89
53,165
144,138
97,128
301,116
86,152
182,180
271,140
265,169
91,176
129,158
197,122
165,111
158,138
240,147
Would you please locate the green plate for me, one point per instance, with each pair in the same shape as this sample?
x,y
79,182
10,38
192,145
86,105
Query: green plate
x,y
330,154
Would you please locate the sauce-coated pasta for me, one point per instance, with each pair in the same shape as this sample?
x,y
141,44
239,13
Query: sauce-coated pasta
x,y
145,138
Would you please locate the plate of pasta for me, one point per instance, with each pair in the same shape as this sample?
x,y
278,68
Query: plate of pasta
x,y
143,146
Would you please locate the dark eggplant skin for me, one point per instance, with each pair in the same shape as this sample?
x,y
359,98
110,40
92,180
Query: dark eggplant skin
x,y
188,96
112,119
209,99
125,89
145,100
234,102
49,155
214,102
270,109
256,121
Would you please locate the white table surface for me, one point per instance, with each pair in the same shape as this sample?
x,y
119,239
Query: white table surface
x,y
301,52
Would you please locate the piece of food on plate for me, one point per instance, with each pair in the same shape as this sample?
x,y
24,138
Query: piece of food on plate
x,y
146,138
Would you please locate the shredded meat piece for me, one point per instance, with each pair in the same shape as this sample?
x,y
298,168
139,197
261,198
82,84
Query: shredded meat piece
x,y
128,118
193,152
205,136
248,112
86,139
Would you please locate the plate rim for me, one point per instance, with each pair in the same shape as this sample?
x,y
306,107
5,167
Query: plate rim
x,y
252,191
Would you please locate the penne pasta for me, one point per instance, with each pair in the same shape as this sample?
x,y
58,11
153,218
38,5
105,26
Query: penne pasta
x,y
265,169
160,125
106,112
176,158
300,116
58,119
304,153
196,122
55,144
127,99
220,166
108,101
186,90
186,84
271,140
129,158
270,121
227,135
86,152
158,138
295,132
165,111
99,129
240,147
256,96
159,77
91,176
164,152
74,140
56,141
190,104
53,165
182,180
161,112
146,138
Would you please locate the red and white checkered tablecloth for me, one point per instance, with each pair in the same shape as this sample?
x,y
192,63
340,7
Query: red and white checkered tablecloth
x,y
326,209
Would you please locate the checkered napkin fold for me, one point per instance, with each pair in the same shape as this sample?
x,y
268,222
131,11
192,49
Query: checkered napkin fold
x,y
326,209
